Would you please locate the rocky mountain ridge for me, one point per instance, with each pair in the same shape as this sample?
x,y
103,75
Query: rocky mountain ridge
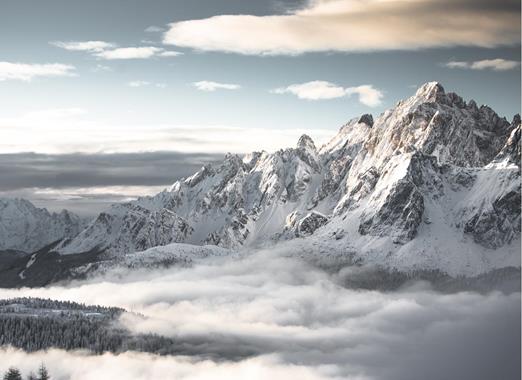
x,y
433,182
26,228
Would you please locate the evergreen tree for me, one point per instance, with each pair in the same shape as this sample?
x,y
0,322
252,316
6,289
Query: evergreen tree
x,y
42,373
32,376
13,374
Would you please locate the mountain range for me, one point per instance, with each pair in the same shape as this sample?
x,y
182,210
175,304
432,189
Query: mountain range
x,y
432,183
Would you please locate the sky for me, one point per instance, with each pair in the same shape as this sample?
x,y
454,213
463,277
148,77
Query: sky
x,y
88,81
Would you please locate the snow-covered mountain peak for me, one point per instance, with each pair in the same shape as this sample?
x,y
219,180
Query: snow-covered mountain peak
x,y
411,188
28,228
306,143
430,91
350,136
366,119
510,156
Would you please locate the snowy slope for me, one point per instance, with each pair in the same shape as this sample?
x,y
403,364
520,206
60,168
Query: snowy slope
x,y
27,228
433,182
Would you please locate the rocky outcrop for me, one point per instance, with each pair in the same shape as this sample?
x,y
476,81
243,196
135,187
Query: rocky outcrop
x,y
129,228
496,224
310,223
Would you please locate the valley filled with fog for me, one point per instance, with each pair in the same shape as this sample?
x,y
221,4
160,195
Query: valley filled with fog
x,y
271,315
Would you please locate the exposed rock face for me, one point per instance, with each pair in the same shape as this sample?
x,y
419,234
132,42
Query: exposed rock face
x,y
310,223
399,216
510,153
128,228
495,221
497,224
27,228
432,169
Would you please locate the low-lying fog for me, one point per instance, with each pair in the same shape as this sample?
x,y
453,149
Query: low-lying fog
x,y
272,317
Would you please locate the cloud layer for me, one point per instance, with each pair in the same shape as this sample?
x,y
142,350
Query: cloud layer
x,y
294,318
497,64
87,183
366,25
28,71
71,133
210,86
321,90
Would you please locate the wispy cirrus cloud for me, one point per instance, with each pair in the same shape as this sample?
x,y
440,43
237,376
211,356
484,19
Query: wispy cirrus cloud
x,y
111,51
142,52
142,83
28,71
323,90
497,64
367,25
154,29
211,86
90,46
170,53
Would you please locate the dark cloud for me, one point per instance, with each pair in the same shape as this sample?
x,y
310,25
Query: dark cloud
x,y
85,183
29,170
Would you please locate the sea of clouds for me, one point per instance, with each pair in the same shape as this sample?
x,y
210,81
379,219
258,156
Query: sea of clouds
x,y
266,316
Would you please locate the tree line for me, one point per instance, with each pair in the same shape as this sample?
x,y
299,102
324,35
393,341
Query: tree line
x,y
14,373
34,324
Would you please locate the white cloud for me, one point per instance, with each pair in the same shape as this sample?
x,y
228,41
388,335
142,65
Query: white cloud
x,y
142,52
301,321
27,71
78,133
138,83
110,51
457,65
91,46
154,29
497,64
170,53
347,25
142,83
210,86
80,365
321,90
367,95
315,90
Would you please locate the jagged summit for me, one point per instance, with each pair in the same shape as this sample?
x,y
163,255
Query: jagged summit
x,y
306,142
366,119
27,228
430,91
